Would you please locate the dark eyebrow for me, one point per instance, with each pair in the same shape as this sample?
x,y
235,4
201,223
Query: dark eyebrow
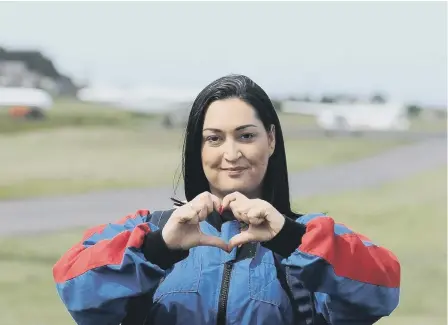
x,y
237,129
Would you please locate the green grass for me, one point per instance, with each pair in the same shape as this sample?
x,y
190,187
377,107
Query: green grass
x,y
71,160
69,113
297,121
77,160
27,294
408,217
428,125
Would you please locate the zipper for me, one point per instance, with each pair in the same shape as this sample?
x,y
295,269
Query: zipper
x,y
224,294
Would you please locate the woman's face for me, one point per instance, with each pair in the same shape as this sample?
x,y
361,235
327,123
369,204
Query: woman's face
x,y
235,148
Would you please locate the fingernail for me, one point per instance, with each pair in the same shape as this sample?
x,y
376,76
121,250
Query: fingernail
x,y
220,210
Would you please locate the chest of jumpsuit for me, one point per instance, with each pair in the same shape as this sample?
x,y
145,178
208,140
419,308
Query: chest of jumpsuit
x,y
213,287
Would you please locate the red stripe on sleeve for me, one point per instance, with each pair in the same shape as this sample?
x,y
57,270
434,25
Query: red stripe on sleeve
x,y
80,259
143,213
94,230
361,236
349,256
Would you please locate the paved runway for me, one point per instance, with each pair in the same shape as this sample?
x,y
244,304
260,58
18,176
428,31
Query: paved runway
x,y
55,213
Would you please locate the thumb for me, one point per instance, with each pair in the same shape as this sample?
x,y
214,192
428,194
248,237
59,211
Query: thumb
x,y
206,240
240,239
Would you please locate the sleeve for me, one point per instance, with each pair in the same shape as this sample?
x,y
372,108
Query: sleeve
x,y
354,281
111,264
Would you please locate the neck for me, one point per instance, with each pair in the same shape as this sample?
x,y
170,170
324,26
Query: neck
x,y
250,195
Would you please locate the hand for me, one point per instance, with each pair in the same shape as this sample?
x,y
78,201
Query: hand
x,y
182,231
263,219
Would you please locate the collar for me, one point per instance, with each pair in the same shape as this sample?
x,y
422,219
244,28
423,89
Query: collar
x,y
216,220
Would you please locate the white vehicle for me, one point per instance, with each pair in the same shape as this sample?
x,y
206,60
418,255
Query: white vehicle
x,y
31,102
354,118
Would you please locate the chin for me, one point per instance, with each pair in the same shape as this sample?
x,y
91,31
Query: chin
x,y
237,186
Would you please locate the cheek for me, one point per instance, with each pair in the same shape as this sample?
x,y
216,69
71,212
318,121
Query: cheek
x,y
259,158
210,158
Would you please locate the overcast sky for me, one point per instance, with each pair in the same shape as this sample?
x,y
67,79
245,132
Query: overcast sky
x,y
399,48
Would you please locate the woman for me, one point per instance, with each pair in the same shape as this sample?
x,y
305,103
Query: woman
x,y
234,253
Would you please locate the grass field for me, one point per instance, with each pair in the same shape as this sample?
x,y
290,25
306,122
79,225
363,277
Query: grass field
x,y
409,217
83,148
70,113
428,125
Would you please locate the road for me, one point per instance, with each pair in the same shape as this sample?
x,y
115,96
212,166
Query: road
x,y
377,135
50,214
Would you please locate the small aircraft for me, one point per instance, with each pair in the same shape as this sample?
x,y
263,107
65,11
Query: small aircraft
x,y
140,99
364,117
353,117
26,102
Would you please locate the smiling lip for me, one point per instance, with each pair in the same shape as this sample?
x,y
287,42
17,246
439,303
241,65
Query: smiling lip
x,y
234,169
234,172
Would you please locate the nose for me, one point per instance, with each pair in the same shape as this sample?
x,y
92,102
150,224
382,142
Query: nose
x,y
231,151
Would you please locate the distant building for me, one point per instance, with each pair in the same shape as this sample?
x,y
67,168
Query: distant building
x,y
32,69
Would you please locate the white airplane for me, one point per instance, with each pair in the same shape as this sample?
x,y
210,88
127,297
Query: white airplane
x,y
100,94
30,101
142,99
26,97
353,117
364,117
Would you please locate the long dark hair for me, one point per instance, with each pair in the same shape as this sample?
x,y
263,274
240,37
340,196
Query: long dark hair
x,y
275,183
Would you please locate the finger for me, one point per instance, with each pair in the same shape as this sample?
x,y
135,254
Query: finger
x,y
256,221
207,207
210,202
240,239
255,216
206,240
200,208
228,199
191,213
190,219
239,212
216,202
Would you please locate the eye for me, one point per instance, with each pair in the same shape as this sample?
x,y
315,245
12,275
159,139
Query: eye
x,y
212,138
248,136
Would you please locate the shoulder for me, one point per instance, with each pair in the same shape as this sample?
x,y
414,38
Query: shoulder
x,y
306,218
160,217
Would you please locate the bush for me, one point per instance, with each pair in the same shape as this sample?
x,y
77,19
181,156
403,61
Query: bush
x,y
277,105
414,110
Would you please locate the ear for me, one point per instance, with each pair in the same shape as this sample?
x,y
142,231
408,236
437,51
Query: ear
x,y
271,139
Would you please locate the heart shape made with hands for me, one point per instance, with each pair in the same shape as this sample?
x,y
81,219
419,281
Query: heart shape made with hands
x,y
259,220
